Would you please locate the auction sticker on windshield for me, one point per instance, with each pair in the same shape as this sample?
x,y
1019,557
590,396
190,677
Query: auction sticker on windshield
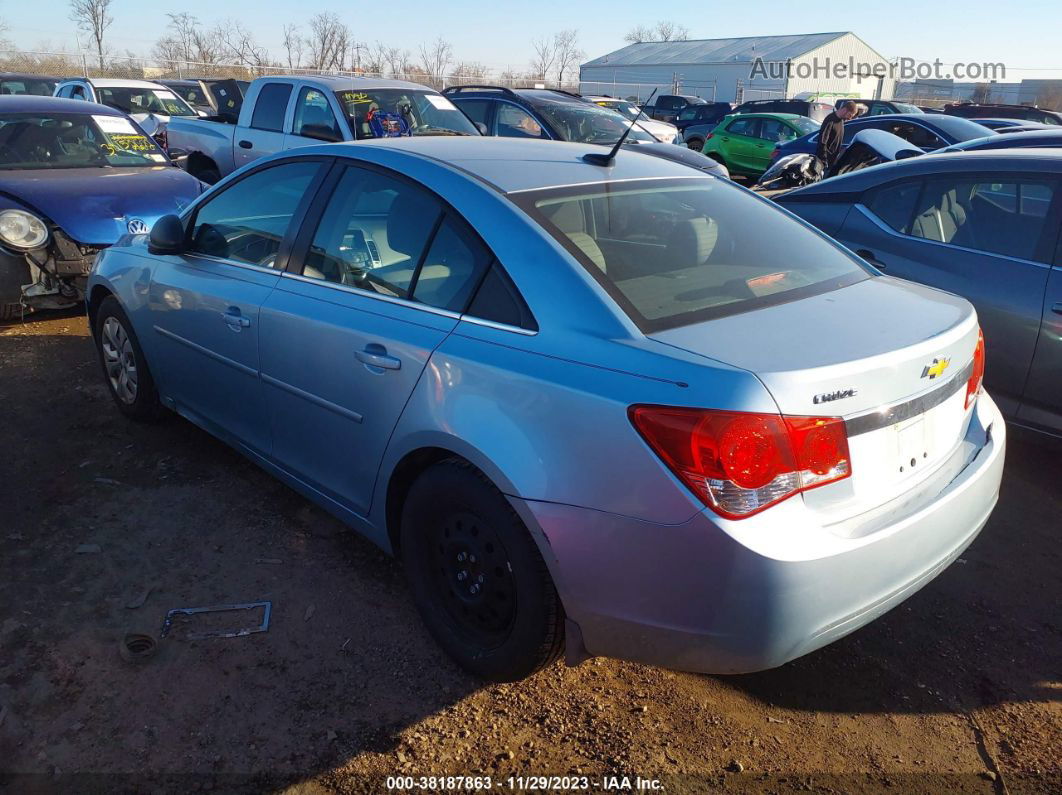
x,y
442,103
115,124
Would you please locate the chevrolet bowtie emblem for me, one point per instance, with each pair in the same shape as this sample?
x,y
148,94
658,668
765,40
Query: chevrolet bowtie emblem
x,y
937,367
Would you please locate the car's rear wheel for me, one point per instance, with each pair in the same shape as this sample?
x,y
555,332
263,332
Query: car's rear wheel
x,y
696,144
477,576
123,363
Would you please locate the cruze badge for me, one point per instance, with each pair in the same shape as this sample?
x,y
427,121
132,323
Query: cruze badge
x,y
827,397
136,227
935,368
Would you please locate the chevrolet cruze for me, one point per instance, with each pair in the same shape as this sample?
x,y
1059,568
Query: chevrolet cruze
x,y
597,407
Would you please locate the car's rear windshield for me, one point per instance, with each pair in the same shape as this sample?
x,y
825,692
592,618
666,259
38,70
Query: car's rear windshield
x,y
74,140
678,251
28,85
393,112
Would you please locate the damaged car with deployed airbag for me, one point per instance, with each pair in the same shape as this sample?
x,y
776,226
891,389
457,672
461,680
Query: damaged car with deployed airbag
x,y
74,178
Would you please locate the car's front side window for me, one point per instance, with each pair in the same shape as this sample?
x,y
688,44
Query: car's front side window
x,y
314,117
271,107
247,222
514,122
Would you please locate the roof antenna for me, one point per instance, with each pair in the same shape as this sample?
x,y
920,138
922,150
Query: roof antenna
x,y
598,159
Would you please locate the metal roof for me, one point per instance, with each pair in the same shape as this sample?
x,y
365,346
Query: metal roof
x,y
740,50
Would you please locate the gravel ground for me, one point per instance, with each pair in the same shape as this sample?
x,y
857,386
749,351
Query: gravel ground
x,y
956,690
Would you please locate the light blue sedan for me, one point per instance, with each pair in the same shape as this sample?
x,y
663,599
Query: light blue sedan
x,y
621,409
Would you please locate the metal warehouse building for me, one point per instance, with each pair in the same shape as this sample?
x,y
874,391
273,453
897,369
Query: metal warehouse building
x,y
735,70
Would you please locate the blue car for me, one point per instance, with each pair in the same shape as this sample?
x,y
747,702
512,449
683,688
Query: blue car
x,y
983,225
1049,137
598,403
927,131
74,178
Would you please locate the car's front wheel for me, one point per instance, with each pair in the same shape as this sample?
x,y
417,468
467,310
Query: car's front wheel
x,y
123,363
477,576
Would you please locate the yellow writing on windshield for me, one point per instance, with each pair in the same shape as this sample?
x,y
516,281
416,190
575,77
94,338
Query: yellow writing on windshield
x,y
132,142
356,98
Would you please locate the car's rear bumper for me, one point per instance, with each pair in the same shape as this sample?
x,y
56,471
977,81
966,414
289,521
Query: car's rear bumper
x,y
694,597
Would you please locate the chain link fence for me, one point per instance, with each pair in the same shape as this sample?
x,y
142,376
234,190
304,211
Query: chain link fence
x,y
65,65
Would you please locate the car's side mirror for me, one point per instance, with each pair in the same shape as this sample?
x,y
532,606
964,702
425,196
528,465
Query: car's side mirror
x,y
481,127
167,236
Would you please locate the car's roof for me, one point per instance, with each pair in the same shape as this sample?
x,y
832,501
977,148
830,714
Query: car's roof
x,y
26,76
111,82
767,115
179,82
1030,159
25,103
339,83
512,164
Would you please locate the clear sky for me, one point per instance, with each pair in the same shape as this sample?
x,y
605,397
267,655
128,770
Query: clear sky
x,y
1024,35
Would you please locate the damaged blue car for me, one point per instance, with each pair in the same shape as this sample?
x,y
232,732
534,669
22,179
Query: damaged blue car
x,y
74,178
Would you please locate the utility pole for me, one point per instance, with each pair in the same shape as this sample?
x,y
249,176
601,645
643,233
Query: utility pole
x,y
357,47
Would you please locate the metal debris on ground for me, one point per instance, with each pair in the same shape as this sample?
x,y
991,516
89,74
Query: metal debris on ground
x,y
267,608
133,604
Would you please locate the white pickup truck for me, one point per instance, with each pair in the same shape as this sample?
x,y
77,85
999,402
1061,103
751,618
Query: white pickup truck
x,y
281,113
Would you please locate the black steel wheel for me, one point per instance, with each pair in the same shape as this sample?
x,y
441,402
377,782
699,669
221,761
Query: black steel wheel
x,y
477,576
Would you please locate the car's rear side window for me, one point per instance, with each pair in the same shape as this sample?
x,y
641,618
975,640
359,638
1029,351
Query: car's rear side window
x,y
672,252
270,107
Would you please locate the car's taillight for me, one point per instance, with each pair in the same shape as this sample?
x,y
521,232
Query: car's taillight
x,y
708,137
739,463
973,386
775,152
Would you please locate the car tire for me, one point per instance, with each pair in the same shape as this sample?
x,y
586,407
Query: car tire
x,y
210,176
124,367
477,576
696,144
14,273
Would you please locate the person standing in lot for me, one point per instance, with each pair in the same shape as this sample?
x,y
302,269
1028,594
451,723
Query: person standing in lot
x,y
831,134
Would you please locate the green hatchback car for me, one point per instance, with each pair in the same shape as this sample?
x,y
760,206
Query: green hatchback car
x,y
743,142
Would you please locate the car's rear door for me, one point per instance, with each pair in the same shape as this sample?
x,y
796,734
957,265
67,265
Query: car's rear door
x,y
1042,401
205,303
269,119
378,278
980,235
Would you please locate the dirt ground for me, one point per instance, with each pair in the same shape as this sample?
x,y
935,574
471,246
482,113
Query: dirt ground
x,y
957,690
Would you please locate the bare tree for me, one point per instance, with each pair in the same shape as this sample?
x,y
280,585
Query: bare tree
x,y
545,55
239,45
661,31
469,72
982,93
375,61
435,57
566,46
328,41
1050,96
92,16
293,44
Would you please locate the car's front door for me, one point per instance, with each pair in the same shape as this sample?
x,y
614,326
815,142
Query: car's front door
x,y
984,237
771,133
1042,402
379,282
205,302
741,143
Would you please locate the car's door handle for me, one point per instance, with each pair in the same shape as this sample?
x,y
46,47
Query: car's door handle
x,y
246,144
376,356
1057,308
234,319
869,257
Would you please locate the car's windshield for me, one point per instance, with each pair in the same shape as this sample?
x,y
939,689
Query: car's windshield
x,y
28,85
393,112
679,251
628,109
73,140
583,122
144,100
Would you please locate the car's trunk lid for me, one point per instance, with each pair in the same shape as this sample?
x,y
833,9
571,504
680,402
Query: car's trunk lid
x,y
890,357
